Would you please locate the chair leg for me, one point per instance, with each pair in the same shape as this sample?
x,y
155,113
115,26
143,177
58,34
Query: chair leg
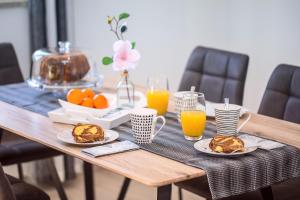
x,y
164,192
124,188
180,193
267,193
69,167
1,133
41,172
56,180
20,171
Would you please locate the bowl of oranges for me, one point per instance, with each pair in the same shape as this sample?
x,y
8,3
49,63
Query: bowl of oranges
x,y
87,101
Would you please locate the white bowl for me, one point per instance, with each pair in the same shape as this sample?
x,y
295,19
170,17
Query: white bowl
x,y
85,111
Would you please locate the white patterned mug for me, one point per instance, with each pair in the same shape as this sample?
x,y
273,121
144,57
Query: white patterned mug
x,y
188,103
227,119
143,121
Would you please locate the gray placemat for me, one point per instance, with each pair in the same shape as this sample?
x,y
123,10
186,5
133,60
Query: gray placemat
x,y
226,176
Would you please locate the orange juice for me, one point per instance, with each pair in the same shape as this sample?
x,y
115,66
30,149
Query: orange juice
x,y
193,123
158,100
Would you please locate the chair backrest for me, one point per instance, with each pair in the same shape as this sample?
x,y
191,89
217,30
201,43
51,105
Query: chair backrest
x,y
9,68
282,95
216,73
6,192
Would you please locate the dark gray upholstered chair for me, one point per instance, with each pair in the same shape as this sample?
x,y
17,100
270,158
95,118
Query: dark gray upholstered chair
x,y
216,73
12,188
282,96
281,100
9,67
19,150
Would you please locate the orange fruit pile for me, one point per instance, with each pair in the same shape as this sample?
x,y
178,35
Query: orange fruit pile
x,y
87,98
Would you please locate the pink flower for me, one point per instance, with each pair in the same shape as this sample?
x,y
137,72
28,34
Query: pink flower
x,y
125,57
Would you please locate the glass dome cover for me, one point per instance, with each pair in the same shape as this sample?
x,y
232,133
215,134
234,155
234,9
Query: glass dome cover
x,y
63,67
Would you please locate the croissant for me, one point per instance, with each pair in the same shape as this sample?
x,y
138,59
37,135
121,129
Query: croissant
x,y
226,144
87,133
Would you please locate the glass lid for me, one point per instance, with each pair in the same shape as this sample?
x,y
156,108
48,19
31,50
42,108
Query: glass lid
x,y
63,68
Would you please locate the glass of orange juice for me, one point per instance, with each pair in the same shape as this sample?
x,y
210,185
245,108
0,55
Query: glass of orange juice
x,y
192,115
158,94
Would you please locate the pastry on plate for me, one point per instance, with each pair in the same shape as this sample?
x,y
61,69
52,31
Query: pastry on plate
x,y
226,144
87,133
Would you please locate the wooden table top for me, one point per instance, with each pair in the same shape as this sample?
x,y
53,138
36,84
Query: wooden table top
x,y
142,166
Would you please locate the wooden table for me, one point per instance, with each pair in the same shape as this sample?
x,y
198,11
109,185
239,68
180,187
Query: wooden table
x,y
142,166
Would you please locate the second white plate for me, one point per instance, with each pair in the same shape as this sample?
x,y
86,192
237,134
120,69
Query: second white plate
x,y
67,137
203,146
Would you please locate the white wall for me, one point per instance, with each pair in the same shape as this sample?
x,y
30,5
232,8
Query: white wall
x,y
166,31
14,25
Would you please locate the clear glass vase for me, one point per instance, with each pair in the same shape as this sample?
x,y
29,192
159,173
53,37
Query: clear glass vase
x,y
125,92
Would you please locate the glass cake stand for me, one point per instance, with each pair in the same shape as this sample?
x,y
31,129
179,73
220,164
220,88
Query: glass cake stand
x,y
63,68
37,82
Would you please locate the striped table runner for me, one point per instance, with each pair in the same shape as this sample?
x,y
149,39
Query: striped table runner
x,y
226,176
28,98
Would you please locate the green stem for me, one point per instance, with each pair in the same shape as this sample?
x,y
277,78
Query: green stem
x,y
126,80
116,30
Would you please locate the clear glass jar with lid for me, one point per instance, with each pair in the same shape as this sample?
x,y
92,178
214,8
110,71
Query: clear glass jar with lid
x,y
63,68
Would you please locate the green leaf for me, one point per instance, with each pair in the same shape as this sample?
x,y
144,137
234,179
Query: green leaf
x,y
123,29
123,16
132,45
107,60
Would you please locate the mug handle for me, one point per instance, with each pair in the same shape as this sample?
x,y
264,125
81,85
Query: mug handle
x,y
244,123
154,121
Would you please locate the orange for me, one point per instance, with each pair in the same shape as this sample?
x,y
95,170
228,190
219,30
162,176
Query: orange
x,y
88,102
88,92
75,96
100,101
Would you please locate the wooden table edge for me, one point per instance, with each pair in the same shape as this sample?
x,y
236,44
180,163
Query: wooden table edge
x,y
85,158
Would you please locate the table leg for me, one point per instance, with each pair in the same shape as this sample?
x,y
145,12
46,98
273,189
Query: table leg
x,y
124,189
164,192
88,181
267,193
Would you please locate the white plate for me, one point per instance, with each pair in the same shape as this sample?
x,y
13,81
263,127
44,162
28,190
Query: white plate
x,y
210,108
203,146
67,137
